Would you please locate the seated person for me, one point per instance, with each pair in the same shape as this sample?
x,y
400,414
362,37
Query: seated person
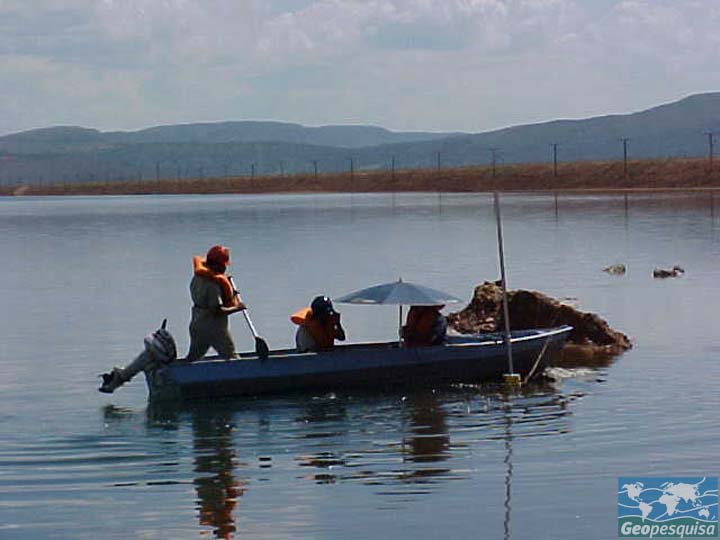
x,y
425,326
318,326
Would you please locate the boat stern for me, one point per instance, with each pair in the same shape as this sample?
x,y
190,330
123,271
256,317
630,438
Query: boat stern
x,y
161,385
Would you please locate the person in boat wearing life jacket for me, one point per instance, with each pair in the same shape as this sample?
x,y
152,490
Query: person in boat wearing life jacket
x,y
425,326
318,326
214,298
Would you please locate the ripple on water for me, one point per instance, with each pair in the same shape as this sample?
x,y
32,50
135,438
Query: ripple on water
x,y
319,467
400,447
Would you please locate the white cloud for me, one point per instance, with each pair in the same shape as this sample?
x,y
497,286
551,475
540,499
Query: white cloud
x,y
33,90
334,27
666,35
216,31
444,64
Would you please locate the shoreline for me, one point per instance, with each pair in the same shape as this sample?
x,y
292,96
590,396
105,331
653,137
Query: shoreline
x,y
650,176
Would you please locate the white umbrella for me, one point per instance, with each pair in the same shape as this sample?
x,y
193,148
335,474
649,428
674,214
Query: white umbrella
x,y
400,293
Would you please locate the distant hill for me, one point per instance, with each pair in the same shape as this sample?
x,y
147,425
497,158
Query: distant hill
x,y
248,132
231,148
66,137
672,130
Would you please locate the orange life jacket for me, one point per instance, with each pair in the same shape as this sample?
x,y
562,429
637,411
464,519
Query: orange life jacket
x,y
200,268
322,331
419,325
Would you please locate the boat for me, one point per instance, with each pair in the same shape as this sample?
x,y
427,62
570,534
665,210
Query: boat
x,y
461,359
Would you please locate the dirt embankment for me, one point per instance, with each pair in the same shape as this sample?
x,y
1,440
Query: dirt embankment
x,y
529,309
675,173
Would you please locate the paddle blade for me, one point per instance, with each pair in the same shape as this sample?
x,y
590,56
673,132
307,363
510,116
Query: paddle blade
x,y
262,349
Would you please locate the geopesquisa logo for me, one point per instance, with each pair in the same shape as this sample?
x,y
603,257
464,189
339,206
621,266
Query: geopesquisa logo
x,y
668,507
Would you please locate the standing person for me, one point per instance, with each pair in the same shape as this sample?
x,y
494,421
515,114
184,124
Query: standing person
x,y
318,326
214,298
425,326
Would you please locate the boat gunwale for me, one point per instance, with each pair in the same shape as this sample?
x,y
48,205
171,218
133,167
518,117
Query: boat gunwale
x,y
284,354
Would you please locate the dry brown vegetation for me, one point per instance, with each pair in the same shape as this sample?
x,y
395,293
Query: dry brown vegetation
x,y
662,174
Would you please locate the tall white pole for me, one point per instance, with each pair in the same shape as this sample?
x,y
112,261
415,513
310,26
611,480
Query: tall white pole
x,y
503,283
400,310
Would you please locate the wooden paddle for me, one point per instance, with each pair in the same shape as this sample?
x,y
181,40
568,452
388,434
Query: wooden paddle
x,y
261,346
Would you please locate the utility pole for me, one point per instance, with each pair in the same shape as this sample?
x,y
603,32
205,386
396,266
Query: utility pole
x,y
625,156
282,168
352,176
392,168
157,171
494,152
315,165
554,147
438,161
711,137
252,171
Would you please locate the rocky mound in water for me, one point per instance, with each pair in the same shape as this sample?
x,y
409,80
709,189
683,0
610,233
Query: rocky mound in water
x,y
530,309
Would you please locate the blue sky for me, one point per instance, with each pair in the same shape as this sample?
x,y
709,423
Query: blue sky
x,y
468,65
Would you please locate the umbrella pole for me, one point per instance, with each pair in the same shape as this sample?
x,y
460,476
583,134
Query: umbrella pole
x,y
511,378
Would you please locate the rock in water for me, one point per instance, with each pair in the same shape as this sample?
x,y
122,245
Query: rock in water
x,y
531,309
615,269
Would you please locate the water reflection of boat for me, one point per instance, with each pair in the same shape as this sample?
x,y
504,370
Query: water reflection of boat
x,y
398,447
217,488
429,440
461,359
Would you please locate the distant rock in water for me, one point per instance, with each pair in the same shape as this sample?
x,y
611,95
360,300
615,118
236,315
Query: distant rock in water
x,y
531,309
675,271
615,269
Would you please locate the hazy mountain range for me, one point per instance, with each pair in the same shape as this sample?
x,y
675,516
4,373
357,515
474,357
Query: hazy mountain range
x,y
70,154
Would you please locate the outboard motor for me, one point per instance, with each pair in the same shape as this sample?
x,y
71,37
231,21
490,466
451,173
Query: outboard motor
x,y
160,350
161,344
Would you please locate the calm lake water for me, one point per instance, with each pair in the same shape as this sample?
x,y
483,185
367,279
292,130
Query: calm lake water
x,y
84,279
